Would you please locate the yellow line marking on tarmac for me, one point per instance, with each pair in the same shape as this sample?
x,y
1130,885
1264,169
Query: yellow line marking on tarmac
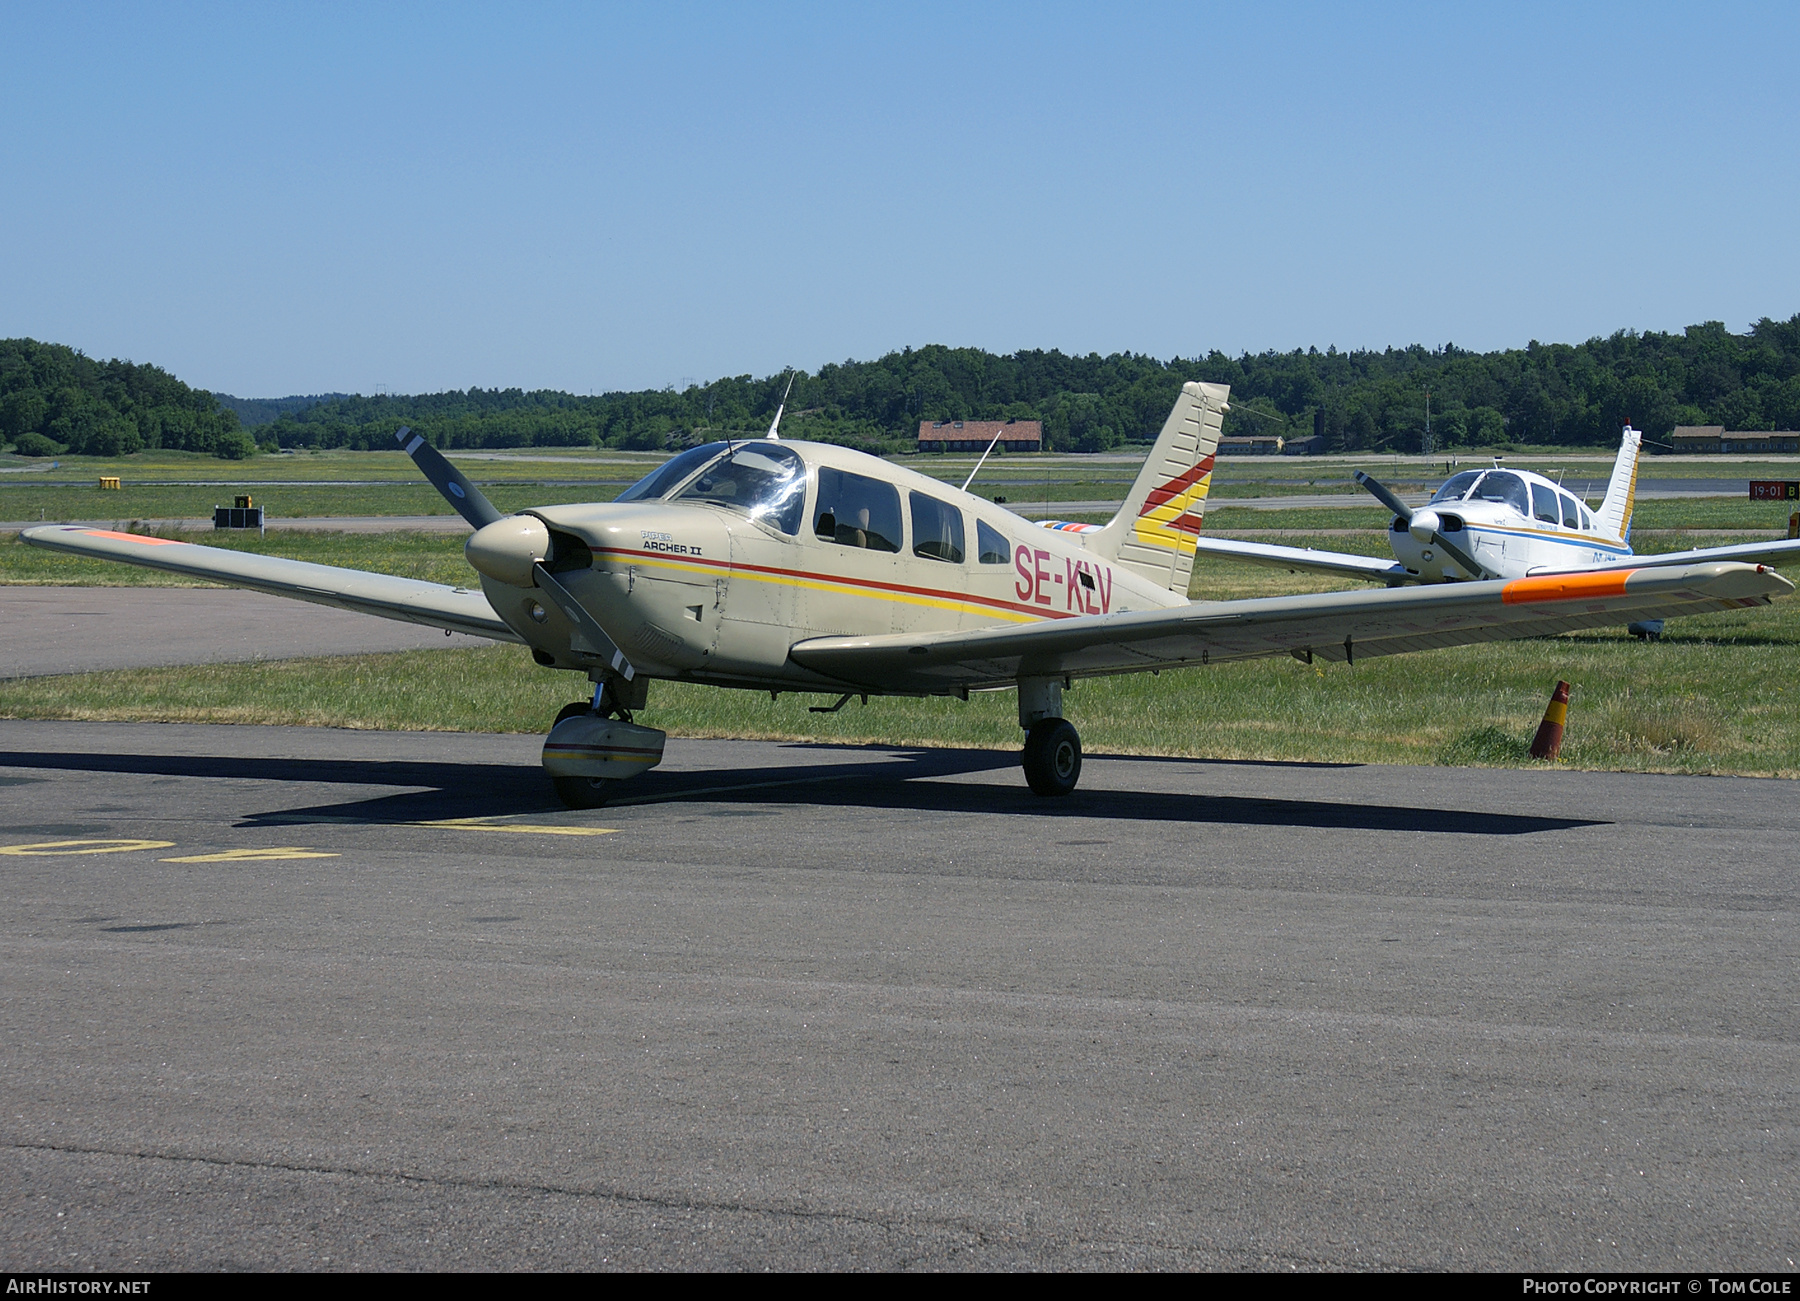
x,y
47,848
447,824
484,824
251,855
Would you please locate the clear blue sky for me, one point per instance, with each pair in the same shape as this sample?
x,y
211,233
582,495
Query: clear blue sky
x,y
272,199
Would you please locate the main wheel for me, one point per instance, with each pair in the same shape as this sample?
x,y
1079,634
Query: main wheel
x,y
584,792
574,709
1052,757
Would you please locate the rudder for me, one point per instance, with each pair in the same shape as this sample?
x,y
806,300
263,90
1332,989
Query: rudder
x,y
1153,533
1614,515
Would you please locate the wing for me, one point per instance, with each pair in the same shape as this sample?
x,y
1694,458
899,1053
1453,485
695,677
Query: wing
x,y
406,599
1781,552
1331,626
1337,563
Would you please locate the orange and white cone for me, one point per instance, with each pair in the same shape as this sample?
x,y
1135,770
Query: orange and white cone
x,y
1550,732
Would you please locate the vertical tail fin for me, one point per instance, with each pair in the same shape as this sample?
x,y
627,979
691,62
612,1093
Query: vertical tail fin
x,y
1614,515
1153,533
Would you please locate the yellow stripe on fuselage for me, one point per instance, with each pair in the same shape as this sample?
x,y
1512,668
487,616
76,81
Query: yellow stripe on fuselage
x,y
886,595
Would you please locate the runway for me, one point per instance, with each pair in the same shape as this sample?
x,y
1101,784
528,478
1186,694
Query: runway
x,y
344,1000
45,630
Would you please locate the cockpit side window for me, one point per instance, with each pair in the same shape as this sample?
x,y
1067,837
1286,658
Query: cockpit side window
x,y
1456,486
765,480
993,546
1571,512
670,473
1543,501
937,529
856,511
1498,485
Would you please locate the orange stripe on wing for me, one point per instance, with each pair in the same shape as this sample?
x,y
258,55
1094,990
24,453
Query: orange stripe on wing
x,y
1565,587
133,537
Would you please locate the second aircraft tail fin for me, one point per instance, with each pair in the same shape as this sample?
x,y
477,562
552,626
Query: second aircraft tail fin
x,y
1614,515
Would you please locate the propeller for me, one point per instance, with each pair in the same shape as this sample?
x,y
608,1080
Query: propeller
x,y
473,506
1423,525
447,479
597,637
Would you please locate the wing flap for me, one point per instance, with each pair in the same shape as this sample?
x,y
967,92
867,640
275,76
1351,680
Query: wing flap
x,y
1332,626
409,600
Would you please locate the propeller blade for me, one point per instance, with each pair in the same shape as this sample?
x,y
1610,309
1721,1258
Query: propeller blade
x,y
1461,557
447,479
603,645
1381,494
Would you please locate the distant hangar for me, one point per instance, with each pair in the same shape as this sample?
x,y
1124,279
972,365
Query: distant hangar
x,y
975,435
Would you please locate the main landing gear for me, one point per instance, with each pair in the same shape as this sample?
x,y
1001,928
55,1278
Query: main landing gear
x,y
1052,755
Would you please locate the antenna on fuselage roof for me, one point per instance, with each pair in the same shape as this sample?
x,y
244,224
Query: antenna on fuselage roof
x,y
775,424
983,460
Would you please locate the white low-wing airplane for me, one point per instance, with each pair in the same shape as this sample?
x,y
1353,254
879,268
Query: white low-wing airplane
x,y
790,566
1499,523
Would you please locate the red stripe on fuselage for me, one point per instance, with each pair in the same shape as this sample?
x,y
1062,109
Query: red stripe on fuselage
x,y
936,593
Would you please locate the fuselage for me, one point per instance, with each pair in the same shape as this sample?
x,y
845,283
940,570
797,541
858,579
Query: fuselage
x,y
712,567
1514,522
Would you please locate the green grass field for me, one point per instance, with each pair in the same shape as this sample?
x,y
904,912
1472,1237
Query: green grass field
x,y
1718,694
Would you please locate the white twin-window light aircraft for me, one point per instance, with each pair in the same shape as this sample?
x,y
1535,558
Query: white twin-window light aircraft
x,y
1498,524
804,567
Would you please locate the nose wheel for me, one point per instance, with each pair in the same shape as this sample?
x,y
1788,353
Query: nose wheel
x,y
1052,757
581,792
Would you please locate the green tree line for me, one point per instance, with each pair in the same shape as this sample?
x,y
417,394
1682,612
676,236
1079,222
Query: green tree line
x,y
55,400
1366,400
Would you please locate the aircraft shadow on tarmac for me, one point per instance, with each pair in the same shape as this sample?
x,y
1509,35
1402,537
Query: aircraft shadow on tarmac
x,y
897,780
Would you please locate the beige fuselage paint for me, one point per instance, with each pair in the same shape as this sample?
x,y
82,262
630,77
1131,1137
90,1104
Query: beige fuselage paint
x,y
702,592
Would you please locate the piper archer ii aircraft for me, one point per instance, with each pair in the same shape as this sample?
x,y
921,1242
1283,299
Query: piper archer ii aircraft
x,y
803,567
1499,523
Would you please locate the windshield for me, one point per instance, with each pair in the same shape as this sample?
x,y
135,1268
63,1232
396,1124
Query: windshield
x,y
1456,486
766,480
1498,485
670,473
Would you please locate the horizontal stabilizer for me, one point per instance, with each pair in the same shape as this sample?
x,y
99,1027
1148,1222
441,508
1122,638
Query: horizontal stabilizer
x,y
1339,563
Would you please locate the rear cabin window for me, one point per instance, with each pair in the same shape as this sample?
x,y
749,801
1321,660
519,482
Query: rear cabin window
x,y
1587,521
995,549
937,529
1571,513
765,480
856,511
1543,501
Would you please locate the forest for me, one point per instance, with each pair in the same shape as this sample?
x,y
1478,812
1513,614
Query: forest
x,y
54,399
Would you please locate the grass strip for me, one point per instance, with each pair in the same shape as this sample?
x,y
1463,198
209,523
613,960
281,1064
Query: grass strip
x,y
1717,695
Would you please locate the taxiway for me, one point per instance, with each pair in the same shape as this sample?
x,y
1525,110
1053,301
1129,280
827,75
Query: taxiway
x,y
287,998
